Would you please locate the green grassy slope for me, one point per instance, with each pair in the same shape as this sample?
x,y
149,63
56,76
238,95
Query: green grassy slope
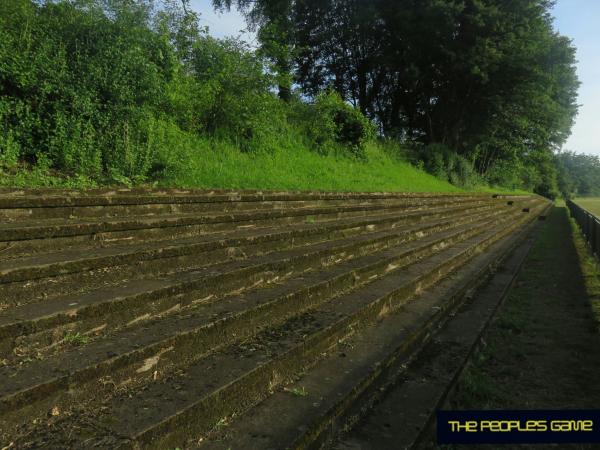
x,y
301,169
213,165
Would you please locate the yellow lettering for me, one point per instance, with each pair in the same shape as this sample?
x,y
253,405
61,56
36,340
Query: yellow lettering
x,y
468,426
572,425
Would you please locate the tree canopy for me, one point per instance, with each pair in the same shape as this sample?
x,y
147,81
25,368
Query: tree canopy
x,y
490,79
472,88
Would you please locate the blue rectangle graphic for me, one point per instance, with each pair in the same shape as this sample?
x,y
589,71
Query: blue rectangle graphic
x,y
518,427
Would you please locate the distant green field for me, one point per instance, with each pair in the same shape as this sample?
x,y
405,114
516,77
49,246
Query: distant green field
x,y
592,204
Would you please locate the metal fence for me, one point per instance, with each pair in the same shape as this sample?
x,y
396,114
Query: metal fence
x,y
589,224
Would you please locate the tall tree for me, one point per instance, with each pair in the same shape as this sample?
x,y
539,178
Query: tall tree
x,y
272,21
489,79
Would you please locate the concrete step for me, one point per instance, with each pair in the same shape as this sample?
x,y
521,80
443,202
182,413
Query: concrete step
x,y
330,400
18,239
104,309
42,277
53,205
211,376
205,326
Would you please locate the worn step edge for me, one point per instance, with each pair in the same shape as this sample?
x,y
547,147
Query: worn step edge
x,y
168,261
379,241
16,249
196,341
165,249
28,215
66,228
38,199
236,276
345,400
206,411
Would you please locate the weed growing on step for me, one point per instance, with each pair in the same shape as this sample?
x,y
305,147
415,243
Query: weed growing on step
x,y
476,386
76,338
297,391
221,423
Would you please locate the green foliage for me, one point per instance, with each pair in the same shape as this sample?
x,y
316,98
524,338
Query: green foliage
x,y
76,339
109,90
535,172
446,164
491,80
333,121
272,19
578,174
136,91
506,173
234,98
78,82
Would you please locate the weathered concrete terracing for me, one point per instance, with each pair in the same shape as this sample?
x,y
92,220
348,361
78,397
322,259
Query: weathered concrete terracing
x,y
171,318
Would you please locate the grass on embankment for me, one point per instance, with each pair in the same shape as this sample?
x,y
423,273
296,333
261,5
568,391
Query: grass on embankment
x,y
300,169
589,264
203,163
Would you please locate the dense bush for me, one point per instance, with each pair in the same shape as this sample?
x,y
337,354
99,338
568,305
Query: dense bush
x,y
231,95
536,174
578,174
109,89
121,90
78,88
439,160
336,120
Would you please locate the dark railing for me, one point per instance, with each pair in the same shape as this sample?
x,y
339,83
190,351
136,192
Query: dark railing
x,y
589,224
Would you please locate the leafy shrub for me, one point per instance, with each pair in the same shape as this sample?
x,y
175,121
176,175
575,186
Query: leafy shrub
x,y
76,83
234,98
439,160
506,173
333,121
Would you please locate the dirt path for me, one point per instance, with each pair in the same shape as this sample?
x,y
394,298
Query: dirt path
x,y
542,351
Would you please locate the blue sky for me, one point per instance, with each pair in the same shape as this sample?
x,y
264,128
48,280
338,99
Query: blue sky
x,y
577,19
580,20
221,25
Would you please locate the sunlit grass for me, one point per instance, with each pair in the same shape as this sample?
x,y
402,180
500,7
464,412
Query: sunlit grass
x,y
592,204
203,162
224,166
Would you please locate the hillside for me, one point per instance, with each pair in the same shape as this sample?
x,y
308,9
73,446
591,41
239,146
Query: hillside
x,y
97,92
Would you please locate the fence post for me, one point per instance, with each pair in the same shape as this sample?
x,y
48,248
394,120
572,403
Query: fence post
x,y
597,234
593,233
588,228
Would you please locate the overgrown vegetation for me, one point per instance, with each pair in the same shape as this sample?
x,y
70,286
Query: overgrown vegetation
x,y
579,174
337,96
